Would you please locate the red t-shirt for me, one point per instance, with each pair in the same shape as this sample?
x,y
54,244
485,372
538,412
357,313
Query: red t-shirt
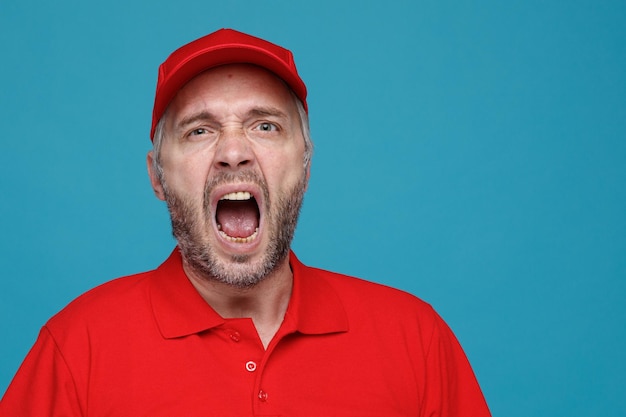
x,y
149,345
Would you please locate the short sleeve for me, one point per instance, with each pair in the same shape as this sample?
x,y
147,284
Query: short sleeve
x,y
451,388
43,385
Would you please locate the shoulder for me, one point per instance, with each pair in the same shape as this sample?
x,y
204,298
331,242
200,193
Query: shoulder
x,y
370,299
377,312
364,288
113,301
359,287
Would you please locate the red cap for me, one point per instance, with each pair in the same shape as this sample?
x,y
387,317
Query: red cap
x,y
226,46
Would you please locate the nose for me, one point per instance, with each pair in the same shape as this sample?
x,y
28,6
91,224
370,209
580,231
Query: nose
x,y
233,150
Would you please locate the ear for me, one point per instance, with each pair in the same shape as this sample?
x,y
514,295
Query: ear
x,y
154,178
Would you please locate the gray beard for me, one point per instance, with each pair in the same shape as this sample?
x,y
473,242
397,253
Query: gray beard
x,y
188,224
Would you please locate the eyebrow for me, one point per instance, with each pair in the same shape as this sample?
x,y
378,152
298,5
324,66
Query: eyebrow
x,y
195,117
267,111
205,116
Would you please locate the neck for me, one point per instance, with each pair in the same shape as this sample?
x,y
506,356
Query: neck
x,y
265,303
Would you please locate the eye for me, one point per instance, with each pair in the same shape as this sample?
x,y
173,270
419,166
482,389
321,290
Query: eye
x,y
267,127
199,131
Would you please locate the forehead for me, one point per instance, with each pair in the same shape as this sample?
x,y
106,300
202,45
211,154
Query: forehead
x,y
233,88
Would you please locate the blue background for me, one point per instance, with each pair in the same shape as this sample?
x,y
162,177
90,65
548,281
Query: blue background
x,y
472,153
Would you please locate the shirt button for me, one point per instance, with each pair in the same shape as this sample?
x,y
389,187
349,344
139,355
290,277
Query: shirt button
x,y
250,366
263,396
235,336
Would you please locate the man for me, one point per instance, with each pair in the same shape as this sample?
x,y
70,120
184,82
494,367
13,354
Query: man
x,y
232,324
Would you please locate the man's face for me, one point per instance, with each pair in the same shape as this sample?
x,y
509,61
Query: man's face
x,y
233,172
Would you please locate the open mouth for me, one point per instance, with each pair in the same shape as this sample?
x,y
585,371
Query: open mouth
x,y
237,216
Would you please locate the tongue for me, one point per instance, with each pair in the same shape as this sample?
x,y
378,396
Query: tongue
x,y
238,218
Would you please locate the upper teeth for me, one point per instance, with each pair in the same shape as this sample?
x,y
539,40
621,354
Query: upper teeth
x,y
239,195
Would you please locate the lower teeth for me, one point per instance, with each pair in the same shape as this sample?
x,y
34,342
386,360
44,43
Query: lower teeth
x,y
239,239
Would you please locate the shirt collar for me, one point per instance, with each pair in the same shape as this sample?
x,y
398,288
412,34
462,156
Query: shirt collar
x,y
180,310
315,307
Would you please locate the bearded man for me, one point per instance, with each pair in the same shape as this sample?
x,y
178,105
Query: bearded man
x,y
232,323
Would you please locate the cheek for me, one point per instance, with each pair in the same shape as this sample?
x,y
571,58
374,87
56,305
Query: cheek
x,y
285,171
186,176
288,161
188,193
